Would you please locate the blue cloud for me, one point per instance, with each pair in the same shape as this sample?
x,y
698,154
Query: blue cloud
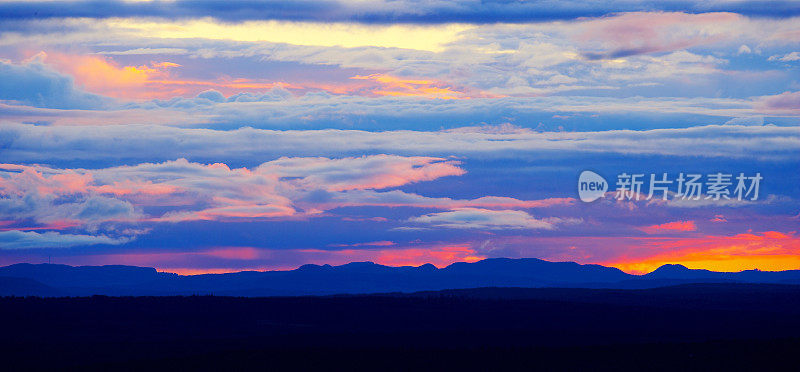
x,y
26,240
35,84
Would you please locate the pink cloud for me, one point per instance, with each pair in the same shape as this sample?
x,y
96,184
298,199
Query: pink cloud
x,y
786,103
234,253
381,243
719,218
670,227
648,32
215,192
25,179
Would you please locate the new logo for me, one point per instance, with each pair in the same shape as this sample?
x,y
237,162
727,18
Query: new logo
x,y
591,186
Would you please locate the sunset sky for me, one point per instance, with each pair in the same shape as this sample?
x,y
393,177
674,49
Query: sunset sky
x,y
218,136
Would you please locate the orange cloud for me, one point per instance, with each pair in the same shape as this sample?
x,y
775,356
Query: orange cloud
x,y
102,75
770,250
670,226
394,86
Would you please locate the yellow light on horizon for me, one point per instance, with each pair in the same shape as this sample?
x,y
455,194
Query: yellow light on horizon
x,y
431,38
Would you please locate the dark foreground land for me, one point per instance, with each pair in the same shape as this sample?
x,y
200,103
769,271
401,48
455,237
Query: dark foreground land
x,y
703,326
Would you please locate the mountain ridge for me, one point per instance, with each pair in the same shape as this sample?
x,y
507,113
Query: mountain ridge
x,y
357,278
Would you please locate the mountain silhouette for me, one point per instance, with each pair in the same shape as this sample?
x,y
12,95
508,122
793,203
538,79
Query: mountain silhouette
x,y
675,271
10,286
356,278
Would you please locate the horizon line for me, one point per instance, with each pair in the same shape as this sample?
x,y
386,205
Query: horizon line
x,y
219,271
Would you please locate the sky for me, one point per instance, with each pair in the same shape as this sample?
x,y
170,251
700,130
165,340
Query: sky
x,y
219,136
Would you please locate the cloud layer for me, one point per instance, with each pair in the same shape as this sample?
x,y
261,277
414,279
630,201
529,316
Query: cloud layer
x,y
199,137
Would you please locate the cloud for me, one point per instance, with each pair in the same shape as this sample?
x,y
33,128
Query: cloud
x,y
192,191
744,49
394,86
312,33
638,33
398,198
57,198
35,84
476,218
378,12
146,51
28,240
366,172
670,227
492,59
381,243
102,75
748,120
790,57
211,95
323,112
786,102
22,143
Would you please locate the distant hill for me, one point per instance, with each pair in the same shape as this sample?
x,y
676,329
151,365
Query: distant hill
x,y
10,286
680,272
356,278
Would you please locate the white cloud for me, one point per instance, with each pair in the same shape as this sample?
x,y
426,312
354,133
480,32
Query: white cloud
x,y
744,49
477,218
747,120
789,57
22,143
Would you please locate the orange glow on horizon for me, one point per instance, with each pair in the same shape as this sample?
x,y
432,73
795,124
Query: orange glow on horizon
x,y
769,251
